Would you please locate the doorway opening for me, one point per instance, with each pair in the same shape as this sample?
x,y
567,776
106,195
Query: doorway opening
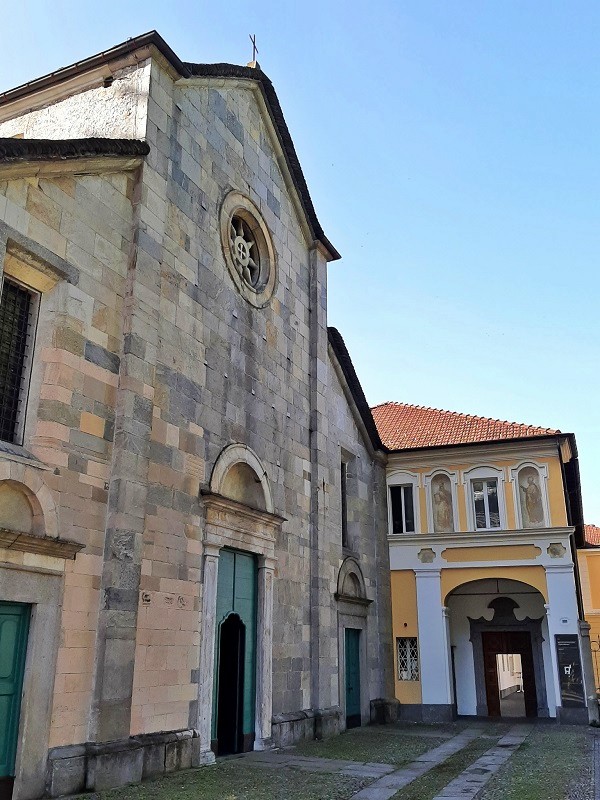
x,y
509,674
232,645
352,652
510,685
14,627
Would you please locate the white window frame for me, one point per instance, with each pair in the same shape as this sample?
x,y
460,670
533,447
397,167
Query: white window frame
x,y
34,310
429,478
404,478
478,474
542,471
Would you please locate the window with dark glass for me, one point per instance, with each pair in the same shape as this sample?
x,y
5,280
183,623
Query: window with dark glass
x,y
485,503
403,513
344,500
15,342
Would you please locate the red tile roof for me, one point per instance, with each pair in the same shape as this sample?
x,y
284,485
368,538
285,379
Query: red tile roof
x,y
403,426
592,534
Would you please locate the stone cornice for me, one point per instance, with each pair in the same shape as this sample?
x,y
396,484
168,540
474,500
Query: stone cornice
x,y
42,545
475,539
220,510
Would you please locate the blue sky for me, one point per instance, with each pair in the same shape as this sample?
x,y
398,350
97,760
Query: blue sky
x,y
453,156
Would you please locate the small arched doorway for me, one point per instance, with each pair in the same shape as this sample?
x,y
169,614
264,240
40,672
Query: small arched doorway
x,y
230,695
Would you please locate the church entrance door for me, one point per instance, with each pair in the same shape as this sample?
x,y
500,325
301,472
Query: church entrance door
x,y
352,652
230,717
508,642
234,691
14,626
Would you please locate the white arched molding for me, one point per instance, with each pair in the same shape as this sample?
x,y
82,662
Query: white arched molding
x,y
481,473
429,478
240,454
542,472
400,477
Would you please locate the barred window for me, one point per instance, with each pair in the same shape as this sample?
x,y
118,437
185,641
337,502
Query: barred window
x,y
408,658
16,334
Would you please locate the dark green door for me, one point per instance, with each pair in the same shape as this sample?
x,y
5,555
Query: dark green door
x,y
14,625
352,678
234,692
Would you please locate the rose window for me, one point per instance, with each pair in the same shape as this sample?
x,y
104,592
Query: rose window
x,y
244,251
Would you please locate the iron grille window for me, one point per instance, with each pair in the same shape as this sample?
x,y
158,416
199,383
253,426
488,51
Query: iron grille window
x,y
15,340
408,658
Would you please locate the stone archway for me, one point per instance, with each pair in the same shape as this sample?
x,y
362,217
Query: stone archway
x,y
239,517
483,610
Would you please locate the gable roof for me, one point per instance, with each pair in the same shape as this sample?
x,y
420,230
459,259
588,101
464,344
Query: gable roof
x,y
343,358
592,535
17,150
190,70
402,426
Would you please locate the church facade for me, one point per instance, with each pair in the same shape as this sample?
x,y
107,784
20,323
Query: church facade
x,y
193,531
485,520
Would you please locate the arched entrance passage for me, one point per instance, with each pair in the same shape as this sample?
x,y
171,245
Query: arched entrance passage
x,y
230,691
499,641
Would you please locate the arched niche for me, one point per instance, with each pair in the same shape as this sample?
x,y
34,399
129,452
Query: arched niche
x,y
239,475
530,482
26,503
351,583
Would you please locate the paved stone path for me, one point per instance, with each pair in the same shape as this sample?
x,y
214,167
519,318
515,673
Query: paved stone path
x,y
387,786
387,780
473,779
355,769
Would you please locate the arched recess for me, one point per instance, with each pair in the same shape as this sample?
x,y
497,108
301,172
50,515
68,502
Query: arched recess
x,y
26,488
351,583
239,475
513,611
532,576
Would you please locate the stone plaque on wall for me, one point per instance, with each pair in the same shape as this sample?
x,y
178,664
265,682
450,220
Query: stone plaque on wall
x,y
569,671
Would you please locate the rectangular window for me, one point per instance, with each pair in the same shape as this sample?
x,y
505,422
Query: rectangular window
x,y
485,503
16,335
403,512
344,501
408,658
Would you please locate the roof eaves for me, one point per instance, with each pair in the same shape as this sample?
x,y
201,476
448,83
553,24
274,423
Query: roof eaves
x,y
513,440
19,150
274,108
187,70
343,357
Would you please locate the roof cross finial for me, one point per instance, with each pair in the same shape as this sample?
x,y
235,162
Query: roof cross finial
x,y
252,37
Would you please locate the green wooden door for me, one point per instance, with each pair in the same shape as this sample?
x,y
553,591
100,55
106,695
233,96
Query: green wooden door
x,y
352,677
237,588
14,625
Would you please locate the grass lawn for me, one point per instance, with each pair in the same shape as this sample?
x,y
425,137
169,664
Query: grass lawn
x,y
380,744
236,780
553,763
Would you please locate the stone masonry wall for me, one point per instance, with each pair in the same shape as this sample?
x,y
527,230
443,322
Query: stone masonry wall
x,y
70,422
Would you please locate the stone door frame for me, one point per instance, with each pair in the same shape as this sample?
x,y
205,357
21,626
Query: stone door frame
x,y
43,591
353,612
236,526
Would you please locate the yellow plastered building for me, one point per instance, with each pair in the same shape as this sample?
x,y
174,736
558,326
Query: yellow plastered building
x,y
484,521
